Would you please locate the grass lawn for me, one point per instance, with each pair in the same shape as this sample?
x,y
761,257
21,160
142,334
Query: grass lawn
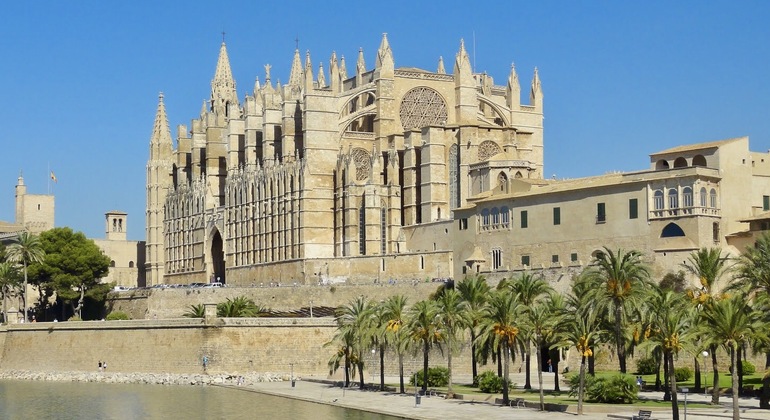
x,y
725,380
471,393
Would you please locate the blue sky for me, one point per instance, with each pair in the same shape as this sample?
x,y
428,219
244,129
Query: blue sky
x,y
80,80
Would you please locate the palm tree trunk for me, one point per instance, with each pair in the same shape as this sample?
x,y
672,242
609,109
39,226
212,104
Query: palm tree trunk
x,y
697,374
715,369
361,383
5,307
657,372
526,353
667,378
736,407
401,372
24,291
581,390
764,399
499,362
672,384
739,368
347,369
474,365
592,363
425,367
449,368
540,381
621,347
382,367
505,378
556,381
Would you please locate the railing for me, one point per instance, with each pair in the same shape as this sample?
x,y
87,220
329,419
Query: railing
x,y
685,212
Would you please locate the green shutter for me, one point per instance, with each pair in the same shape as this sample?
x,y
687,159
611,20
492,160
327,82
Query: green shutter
x,y
633,208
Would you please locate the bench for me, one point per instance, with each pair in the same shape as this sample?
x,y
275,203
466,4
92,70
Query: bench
x,y
643,415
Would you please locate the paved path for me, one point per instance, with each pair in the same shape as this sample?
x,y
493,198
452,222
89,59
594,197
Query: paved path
x,y
439,408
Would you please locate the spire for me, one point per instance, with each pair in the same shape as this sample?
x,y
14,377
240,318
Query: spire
x,y
334,73
462,70
360,67
441,69
295,77
513,90
257,87
384,61
223,92
536,92
308,72
160,141
343,69
321,77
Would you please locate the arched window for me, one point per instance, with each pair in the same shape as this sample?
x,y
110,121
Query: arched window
x,y
687,197
671,230
658,199
698,160
505,216
680,162
661,164
112,263
130,264
495,216
713,197
485,217
703,197
518,175
673,198
502,182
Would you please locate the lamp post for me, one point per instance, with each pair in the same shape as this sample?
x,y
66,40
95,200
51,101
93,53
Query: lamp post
x,y
685,391
706,376
292,374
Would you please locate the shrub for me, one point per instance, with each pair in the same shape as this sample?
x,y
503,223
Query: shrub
x,y
682,374
117,315
490,383
618,389
195,311
437,376
74,318
748,368
647,366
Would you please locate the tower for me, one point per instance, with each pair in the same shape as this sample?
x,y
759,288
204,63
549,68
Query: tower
x,y
159,181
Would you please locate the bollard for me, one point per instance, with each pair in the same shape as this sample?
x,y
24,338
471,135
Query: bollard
x,y
293,382
417,398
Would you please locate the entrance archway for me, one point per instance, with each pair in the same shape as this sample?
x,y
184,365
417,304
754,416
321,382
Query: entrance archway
x,y
218,257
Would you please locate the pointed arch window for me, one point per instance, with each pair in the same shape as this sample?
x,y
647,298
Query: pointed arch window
x,y
671,230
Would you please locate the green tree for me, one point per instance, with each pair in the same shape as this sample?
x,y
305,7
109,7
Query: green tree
x,y
753,275
670,329
474,291
541,322
708,265
9,283
425,328
499,328
619,278
581,328
238,307
394,314
25,250
73,266
528,288
195,311
731,322
454,317
354,332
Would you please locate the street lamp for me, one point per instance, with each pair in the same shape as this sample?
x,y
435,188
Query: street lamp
x,y
706,376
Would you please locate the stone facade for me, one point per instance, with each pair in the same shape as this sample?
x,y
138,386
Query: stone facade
x,y
127,257
345,181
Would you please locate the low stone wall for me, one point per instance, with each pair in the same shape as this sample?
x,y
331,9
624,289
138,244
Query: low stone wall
x,y
144,378
173,302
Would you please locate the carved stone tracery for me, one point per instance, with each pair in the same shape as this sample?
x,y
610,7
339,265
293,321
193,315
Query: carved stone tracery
x,y
422,106
362,162
487,149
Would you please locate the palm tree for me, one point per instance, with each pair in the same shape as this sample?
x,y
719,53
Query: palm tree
x,y
26,250
424,328
541,322
731,323
499,327
581,329
474,291
8,282
394,315
670,329
620,278
753,274
708,265
528,288
454,317
354,332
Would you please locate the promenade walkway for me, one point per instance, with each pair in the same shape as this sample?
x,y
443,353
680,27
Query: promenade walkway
x,y
439,408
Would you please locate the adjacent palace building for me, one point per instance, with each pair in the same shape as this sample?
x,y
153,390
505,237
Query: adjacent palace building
x,y
394,174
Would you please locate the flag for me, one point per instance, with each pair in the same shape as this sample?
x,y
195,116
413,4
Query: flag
x,y
53,177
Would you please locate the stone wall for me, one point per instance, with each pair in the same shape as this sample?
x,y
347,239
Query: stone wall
x,y
172,303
